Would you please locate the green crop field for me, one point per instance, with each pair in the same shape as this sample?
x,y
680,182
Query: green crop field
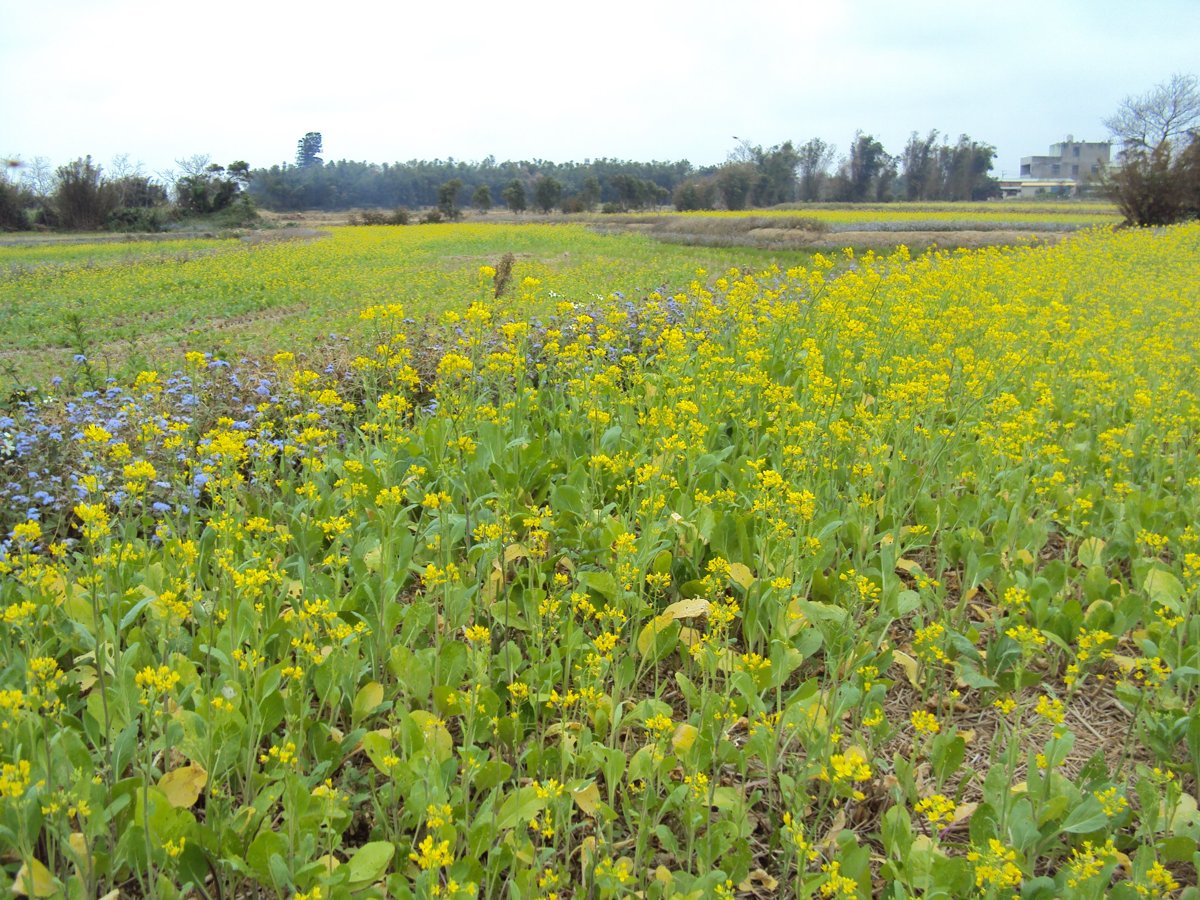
x,y
669,572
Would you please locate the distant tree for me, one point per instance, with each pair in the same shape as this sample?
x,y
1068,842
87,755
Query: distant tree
x,y
735,181
82,198
1167,112
308,150
964,171
37,175
776,181
448,198
920,173
1158,180
815,158
547,191
239,171
211,190
637,193
589,193
514,196
482,198
1157,187
695,193
1144,187
866,174
13,203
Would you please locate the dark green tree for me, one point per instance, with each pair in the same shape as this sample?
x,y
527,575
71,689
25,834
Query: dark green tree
x,y
212,189
547,191
735,181
695,193
13,203
589,193
448,198
482,198
1157,187
308,150
776,181
866,174
82,198
815,158
514,195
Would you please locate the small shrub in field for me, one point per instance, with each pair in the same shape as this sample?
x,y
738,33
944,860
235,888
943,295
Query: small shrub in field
x,y
398,216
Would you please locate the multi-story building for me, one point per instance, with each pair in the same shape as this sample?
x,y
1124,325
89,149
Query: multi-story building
x,y
1079,161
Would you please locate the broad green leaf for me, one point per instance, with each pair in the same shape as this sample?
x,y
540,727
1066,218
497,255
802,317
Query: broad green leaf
x,y
370,861
378,747
658,637
518,808
1091,552
1087,816
258,857
1163,587
437,738
366,701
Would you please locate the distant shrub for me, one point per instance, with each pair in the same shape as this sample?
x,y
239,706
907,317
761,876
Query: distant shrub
x,y
82,199
1157,187
397,216
13,216
433,217
574,204
134,218
694,194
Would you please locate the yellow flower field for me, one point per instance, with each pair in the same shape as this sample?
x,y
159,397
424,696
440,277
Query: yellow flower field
x,y
836,576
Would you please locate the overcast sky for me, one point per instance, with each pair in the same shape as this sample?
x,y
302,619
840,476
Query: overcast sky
x,y
629,79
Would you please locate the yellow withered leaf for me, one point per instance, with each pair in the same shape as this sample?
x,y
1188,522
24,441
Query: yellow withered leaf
x,y
34,881
684,737
182,786
910,666
759,879
741,575
586,799
687,609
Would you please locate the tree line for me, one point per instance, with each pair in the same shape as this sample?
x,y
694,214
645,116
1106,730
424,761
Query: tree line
x,y
83,196
752,176
1156,180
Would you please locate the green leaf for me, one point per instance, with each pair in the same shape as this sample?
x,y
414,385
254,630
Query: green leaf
x,y
603,583
1091,552
1088,816
258,857
518,808
378,745
366,701
490,774
658,637
370,861
1163,587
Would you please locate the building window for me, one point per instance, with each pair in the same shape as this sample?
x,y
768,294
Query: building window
x,y
1055,170
1074,171
1075,150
